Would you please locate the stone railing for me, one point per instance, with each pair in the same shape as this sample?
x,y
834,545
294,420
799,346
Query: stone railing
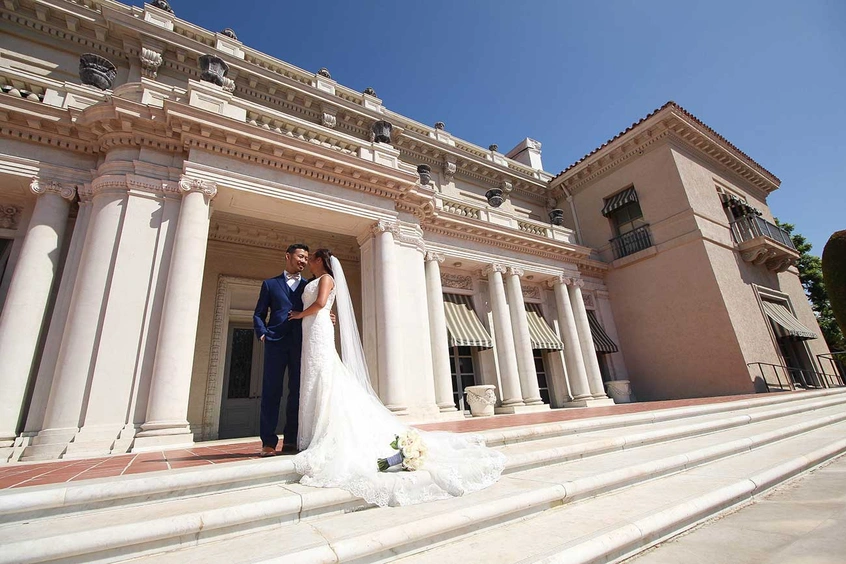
x,y
464,210
22,84
533,228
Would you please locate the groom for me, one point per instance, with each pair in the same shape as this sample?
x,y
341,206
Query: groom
x,y
282,338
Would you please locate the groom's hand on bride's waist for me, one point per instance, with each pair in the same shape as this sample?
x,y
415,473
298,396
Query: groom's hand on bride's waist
x,y
333,318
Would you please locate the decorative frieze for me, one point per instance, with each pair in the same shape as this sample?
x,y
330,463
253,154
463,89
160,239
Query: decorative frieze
x,y
532,292
456,281
9,216
588,299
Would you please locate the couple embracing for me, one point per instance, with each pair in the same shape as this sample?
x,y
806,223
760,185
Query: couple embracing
x,y
335,423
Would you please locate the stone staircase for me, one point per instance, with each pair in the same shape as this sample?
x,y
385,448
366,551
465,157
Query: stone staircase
x,y
591,490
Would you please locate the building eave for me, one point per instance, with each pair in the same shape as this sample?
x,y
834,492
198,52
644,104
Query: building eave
x,y
670,120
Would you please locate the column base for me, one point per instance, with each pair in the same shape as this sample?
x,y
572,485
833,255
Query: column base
x,y
447,407
162,442
589,402
510,410
49,444
533,401
93,440
163,434
14,452
398,409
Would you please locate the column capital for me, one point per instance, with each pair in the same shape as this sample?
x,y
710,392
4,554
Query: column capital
x,y
515,271
493,268
40,187
567,280
435,256
206,187
384,225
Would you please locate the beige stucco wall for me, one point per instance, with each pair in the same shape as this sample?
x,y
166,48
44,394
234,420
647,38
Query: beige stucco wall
x,y
675,332
659,189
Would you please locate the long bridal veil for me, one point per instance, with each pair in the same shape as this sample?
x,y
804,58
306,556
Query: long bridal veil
x,y
352,351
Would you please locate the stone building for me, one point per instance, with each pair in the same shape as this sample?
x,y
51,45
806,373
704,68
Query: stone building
x,y
148,187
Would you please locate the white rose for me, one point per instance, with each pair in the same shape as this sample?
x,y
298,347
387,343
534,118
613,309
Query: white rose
x,y
411,452
412,464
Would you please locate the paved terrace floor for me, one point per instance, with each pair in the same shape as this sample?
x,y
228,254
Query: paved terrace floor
x,y
26,474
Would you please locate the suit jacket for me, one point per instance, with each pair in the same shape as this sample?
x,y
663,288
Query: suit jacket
x,y
279,299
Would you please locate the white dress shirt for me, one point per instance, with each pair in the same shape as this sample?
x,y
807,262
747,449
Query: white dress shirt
x,y
293,279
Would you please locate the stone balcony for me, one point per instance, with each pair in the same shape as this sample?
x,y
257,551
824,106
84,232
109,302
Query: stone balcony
x,y
763,243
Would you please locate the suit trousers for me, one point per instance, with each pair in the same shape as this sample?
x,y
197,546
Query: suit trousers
x,y
279,357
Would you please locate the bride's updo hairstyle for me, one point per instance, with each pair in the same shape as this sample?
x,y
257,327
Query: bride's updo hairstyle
x,y
325,255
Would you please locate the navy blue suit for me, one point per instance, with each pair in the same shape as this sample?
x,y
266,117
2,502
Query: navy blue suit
x,y
283,340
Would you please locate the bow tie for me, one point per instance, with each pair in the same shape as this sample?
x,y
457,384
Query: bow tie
x,y
290,276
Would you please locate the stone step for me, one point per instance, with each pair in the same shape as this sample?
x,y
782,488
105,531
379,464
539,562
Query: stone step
x,y
110,535
527,446
619,524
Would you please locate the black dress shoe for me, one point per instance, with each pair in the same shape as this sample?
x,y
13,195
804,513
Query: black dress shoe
x,y
289,449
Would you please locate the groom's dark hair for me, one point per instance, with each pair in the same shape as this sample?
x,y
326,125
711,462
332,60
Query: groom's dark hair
x,y
296,246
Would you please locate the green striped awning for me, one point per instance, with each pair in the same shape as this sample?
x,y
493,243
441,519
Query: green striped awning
x,y
463,326
617,201
602,343
540,333
785,323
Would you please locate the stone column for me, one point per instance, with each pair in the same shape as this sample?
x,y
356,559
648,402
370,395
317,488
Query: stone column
x,y
505,354
167,408
438,333
50,353
594,376
522,339
73,363
576,374
28,297
388,319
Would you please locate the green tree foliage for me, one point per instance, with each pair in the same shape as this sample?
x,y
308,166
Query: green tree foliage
x,y
811,276
834,273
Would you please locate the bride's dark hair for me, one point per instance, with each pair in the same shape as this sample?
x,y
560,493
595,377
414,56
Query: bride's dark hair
x,y
325,255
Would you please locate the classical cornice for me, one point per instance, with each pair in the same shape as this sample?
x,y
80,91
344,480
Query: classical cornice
x,y
477,231
670,122
121,32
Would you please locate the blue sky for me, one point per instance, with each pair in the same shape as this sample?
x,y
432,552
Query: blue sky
x,y
770,76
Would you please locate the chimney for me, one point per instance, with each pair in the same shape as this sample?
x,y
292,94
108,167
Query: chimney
x,y
528,152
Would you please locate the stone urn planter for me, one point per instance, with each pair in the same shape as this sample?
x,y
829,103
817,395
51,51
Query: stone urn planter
x,y
620,391
556,216
425,173
481,400
96,71
213,69
495,197
382,131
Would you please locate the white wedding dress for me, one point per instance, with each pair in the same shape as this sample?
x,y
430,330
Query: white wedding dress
x,y
344,428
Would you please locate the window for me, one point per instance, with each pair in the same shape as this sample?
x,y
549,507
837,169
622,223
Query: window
x,y
540,368
463,373
627,218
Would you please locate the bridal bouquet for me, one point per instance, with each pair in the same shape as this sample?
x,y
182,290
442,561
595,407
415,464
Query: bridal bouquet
x,y
412,452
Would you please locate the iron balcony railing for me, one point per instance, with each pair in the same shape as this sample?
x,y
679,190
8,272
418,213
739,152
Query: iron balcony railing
x,y
750,226
631,242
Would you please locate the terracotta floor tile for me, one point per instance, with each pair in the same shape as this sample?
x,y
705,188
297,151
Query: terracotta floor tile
x,y
140,468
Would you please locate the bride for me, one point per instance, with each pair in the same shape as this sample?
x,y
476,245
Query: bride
x,y
344,428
